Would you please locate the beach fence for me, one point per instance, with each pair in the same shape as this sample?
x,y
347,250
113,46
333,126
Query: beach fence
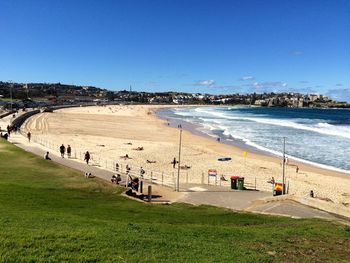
x,y
109,164
259,182
168,179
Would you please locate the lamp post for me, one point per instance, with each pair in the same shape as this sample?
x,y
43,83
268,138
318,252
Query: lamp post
x,y
178,167
283,165
10,81
27,90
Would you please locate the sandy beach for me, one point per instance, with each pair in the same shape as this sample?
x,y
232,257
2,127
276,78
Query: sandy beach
x,y
110,132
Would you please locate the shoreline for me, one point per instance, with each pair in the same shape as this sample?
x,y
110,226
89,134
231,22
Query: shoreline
x,y
305,165
111,132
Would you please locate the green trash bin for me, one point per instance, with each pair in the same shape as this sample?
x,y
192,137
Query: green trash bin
x,y
240,183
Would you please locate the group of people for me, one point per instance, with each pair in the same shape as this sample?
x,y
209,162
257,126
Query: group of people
x,y
89,175
133,183
63,151
184,167
68,150
9,129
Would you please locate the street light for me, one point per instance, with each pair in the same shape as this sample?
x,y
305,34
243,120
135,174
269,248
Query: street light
x,y
27,90
283,165
10,81
178,167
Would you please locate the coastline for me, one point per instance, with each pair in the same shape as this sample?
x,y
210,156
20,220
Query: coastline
x,y
305,165
107,131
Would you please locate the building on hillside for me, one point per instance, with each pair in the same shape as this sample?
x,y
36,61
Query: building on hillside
x,y
313,97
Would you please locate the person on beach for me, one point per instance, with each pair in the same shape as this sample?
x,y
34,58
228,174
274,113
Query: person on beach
x,y
117,167
142,172
62,150
174,162
69,151
29,136
150,161
222,178
46,156
138,148
125,157
297,169
87,157
185,167
127,168
271,181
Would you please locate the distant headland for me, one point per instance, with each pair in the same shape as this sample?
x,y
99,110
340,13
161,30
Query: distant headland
x,y
57,93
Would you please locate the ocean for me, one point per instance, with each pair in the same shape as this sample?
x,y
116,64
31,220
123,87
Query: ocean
x,y
320,137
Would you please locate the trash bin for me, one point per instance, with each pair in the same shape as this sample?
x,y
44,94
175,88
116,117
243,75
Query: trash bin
x,y
278,189
240,183
234,182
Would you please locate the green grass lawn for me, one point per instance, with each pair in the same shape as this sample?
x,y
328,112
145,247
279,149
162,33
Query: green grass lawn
x,y
51,213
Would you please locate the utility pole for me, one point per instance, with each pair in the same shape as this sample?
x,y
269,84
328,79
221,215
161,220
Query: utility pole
x,y
11,94
178,167
27,91
283,165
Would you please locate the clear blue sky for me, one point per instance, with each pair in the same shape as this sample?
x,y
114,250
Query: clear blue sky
x,y
195,46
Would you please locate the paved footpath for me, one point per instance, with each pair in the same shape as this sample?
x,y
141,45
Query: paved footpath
x,y
252,201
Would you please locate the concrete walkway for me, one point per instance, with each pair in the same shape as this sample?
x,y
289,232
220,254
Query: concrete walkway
x,y
292,208
252,201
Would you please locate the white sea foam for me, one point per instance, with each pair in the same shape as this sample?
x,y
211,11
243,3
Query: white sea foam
x,y
277,153
328,167
323,128
213,119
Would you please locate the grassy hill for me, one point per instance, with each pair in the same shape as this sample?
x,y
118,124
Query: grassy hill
x,y
51,213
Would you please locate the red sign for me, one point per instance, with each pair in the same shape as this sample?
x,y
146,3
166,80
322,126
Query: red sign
x,y
212,172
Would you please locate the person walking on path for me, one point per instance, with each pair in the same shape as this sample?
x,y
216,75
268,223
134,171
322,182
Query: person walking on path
x,y
29,136
69,151
87,157
62,150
